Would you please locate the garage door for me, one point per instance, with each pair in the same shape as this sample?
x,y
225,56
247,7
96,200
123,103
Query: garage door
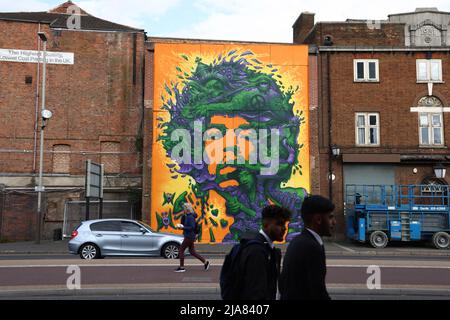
x,y
369,174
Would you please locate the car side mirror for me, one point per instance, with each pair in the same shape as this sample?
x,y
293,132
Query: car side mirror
x,y
144,231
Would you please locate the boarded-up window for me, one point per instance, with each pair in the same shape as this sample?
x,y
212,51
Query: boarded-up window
x,y
110,156
61,159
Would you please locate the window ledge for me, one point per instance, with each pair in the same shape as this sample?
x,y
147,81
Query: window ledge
x,y
368,146
432,147
366,81
426,82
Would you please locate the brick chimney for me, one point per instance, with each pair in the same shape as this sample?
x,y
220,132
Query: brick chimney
x,y
302,27
63,8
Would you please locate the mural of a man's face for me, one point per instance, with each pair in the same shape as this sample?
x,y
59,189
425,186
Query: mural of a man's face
x,y
232,142
248,126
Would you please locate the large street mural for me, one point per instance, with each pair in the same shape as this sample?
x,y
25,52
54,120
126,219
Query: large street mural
x,y
230,135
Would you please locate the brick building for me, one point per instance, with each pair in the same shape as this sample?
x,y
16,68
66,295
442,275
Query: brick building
x,y
95,91
380,94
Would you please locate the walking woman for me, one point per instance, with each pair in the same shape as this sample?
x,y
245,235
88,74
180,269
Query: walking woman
x,y
189,226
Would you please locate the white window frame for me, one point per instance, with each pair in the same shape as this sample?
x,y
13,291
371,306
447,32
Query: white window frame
x,y
428,63
366,70
367,128
431,128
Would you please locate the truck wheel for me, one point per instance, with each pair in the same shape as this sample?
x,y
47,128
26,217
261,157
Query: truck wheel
x,y
379,240
441,240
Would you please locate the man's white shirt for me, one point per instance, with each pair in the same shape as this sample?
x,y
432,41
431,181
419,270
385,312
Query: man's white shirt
x,y
318,238
269,241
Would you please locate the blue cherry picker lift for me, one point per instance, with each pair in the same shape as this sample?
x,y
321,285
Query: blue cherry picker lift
x,y
383,213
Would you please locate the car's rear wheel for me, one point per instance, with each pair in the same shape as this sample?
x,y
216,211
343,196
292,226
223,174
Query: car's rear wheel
x,y
89,251
171,251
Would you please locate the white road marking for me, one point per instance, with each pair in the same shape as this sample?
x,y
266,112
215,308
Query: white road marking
x,y
344,248
201,266
387,266
103,265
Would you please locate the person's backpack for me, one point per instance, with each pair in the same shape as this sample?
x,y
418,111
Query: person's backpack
x,y
230,275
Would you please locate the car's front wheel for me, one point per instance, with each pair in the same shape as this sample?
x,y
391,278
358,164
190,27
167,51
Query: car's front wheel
x,y
89,251
171,251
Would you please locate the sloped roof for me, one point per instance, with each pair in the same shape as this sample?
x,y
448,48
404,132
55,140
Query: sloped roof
x,y
57,18
64,8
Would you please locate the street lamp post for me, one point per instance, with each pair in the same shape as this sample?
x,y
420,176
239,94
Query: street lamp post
x,y
45,116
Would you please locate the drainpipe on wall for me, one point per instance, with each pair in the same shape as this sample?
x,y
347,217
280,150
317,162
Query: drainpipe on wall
x,y
330,136
141,125
36,118
150,170
142,120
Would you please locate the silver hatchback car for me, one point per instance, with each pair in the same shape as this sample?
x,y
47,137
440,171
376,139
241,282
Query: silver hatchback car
x,y
117,237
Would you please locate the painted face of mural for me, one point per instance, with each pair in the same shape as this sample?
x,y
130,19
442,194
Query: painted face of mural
x,y
233,144
248,120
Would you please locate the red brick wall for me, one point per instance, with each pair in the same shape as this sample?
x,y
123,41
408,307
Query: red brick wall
x,y
316,171
303,26
405,175
94,100
392,97
18,217
352,34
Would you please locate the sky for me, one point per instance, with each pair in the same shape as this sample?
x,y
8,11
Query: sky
x,y
246,20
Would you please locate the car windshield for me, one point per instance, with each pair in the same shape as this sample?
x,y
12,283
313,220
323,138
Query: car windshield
x,y
147,226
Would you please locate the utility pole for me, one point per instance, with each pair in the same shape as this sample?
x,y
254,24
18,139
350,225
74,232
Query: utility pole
x,y
46,115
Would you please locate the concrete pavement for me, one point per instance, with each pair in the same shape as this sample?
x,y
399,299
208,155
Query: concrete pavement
x,y
339,248
209,293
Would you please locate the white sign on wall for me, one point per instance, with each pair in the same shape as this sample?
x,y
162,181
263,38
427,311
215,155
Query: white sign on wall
x,y
32,56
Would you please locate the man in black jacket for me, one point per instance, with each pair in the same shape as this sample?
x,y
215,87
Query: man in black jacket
x,y
259,263
304,267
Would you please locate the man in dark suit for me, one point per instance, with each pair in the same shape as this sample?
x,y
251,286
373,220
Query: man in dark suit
x,y
304,267
259,263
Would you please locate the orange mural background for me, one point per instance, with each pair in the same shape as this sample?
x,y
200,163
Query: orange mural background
x,y
170,62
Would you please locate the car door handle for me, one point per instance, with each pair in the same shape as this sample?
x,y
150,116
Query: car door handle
x,y
124,236
99,235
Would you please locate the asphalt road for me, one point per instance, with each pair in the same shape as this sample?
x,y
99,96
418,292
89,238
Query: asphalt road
x,y
69,257
155,279
48,276
190,297
208,297
128,274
